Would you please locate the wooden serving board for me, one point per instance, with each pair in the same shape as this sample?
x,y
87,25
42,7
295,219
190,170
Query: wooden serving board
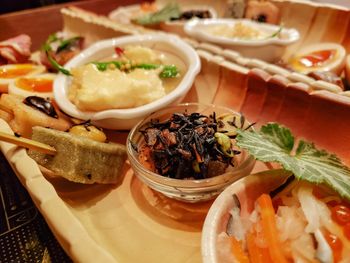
x,y
126,222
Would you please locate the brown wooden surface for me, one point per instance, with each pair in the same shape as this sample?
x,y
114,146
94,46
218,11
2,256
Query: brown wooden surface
x,y
40,22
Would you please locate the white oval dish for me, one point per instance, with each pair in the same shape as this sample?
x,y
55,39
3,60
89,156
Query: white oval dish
x,y
126,14
247,190
269,49
127,118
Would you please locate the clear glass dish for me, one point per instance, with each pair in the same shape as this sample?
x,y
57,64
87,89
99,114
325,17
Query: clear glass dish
x,y
185,189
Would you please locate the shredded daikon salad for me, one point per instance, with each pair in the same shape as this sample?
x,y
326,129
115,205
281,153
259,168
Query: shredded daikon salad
x,y
302,223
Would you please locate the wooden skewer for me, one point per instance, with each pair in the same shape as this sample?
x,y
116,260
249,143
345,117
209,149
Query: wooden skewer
x,y
27,143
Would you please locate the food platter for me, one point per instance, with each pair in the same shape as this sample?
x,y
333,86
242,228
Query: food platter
x,y
129,221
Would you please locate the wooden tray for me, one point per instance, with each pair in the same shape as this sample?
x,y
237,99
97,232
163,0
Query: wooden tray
x,y
129,222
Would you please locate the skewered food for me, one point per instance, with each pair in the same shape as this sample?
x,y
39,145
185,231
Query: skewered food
x,y
78,158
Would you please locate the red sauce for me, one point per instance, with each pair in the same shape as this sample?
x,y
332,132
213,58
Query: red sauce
x,y
346,230
35,84
317,58
341,214
15,71
336,245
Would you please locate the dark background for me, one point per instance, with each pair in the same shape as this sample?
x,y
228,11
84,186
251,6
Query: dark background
x,y
7,6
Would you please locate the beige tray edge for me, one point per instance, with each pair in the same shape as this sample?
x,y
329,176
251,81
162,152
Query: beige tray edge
x,y
67,229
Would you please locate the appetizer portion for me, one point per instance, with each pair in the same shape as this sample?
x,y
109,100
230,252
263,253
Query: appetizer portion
x,y
15,50
80,158
251,39
22,114
305,217
9,73
298,222
135,76
59,49
38,85
117,82
241,30
319,57
190,145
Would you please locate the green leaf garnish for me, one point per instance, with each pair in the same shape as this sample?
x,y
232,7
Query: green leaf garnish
x,y
275,34
102,66
47,49
171,10
67,43
275,143
57,66
169,71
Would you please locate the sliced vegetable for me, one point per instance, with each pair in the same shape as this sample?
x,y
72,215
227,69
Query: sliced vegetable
x,y
269,229
274,143
256,253
238,252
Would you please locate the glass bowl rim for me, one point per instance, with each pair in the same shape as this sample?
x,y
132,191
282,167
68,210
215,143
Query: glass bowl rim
x,y
222,179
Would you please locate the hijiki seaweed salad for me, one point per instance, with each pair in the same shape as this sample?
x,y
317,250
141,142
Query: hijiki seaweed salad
x,y
191,145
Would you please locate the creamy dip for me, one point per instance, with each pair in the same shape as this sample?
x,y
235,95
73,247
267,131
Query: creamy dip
x,y
95,90
238,30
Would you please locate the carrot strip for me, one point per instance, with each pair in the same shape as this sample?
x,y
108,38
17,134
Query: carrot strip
x,y
257,254
269,229
238,252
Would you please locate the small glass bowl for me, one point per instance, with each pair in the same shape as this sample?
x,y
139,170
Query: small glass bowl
x,y
186,189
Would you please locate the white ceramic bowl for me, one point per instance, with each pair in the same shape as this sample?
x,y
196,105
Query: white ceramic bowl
x,y
268,49
127,118
247,190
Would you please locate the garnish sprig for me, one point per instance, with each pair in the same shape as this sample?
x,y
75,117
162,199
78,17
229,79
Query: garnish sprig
x,y
275,143
168,71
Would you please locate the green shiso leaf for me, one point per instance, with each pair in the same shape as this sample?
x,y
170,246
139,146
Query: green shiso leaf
x,y
171,10
275,143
